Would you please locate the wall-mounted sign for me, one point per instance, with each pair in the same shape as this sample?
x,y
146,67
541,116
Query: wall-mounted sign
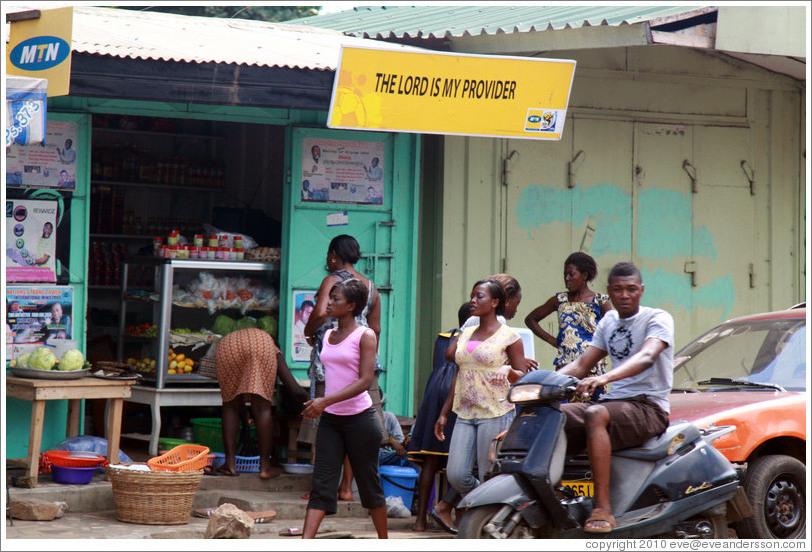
x,y
41,48
442,93
31,240
342,171
36,315
26,110
52,165
303,302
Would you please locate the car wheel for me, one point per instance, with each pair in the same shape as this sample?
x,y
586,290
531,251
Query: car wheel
x,y
775,486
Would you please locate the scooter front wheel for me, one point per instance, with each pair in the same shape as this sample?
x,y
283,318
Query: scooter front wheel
x,y
493,521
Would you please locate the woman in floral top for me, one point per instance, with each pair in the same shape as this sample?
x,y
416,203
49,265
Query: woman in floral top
x,y
482,353
579,311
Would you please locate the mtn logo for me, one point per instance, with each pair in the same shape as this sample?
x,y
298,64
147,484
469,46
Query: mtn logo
x,y
39,53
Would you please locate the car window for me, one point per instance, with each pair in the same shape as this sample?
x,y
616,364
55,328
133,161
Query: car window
x,y
766,351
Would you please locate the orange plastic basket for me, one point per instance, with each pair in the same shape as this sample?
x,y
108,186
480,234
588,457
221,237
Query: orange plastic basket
x,y
182,458
71,459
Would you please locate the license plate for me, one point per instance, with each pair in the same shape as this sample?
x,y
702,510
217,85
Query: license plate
x,y
581,488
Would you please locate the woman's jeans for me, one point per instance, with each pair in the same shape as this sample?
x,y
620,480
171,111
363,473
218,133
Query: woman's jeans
x,y
471,443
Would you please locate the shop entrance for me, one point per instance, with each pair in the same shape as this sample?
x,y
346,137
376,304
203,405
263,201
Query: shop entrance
x,y
361,184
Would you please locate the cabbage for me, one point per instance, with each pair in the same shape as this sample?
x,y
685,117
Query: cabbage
x,y
268,324
245,322
42,358
71,360
22,361
223,325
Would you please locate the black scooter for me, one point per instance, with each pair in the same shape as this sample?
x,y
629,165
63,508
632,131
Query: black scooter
x,y
676,485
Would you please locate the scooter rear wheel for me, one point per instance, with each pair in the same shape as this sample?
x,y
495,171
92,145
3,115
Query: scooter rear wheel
x,y
473,522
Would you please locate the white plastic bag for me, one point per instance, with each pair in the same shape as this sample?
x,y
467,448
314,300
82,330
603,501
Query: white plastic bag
x,y
395,508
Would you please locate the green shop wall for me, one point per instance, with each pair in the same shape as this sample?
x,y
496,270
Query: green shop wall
x,y
18,412
398,382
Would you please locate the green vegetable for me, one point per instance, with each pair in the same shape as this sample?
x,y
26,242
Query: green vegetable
x,y
42,358
22,361
71,360
223,325
245,322
268,324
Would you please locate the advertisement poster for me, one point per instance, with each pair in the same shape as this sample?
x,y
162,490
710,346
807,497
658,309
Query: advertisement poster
x,y
343,171
50,166
303,303
31,240
36,315
382,89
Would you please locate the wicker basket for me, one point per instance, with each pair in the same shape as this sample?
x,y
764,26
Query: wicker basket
x,y
153,498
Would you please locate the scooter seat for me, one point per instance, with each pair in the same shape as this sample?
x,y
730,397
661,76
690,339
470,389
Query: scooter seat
x,y
667,443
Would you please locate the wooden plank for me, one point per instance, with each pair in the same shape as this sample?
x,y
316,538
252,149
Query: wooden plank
x,y
114,429
51,394
35,439
74,409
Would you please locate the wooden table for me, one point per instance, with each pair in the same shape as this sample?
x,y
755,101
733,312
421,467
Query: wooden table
x,y
40,390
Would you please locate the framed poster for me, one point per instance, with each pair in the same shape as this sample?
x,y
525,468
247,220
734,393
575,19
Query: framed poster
x,y
31,240
36,315
343,171
303,302
52,165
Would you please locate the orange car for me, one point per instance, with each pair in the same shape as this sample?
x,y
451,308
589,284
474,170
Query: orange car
x,y
751,372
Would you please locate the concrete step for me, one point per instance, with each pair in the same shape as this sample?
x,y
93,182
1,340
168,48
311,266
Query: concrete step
x,y
98,494
104,525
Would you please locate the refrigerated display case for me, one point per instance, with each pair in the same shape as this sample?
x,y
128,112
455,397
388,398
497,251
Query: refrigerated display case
x,y
170,305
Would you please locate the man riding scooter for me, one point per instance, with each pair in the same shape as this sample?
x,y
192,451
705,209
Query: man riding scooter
x,y
640,342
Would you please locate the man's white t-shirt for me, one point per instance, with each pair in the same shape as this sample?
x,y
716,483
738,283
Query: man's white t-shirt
x,y
623,337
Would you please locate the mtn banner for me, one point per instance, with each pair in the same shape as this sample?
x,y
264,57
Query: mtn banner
x,y
443,93
41,48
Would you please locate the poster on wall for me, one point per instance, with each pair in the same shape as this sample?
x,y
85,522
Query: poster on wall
x,y
36,315
31,240
342,171
303,303
52,165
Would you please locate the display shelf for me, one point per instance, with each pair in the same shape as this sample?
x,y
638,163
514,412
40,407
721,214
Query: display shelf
x,y
122,237
166,271
136,132
157,186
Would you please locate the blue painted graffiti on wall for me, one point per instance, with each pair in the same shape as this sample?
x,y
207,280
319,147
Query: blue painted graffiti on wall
x,y
664,233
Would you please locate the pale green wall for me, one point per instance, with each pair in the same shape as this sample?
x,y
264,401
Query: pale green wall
x,y
638,113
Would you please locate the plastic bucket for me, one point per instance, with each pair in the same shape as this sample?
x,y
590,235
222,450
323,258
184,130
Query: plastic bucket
x,y
399,481
73,476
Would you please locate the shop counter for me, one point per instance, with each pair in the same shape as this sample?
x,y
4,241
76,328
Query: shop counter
x,y
40,390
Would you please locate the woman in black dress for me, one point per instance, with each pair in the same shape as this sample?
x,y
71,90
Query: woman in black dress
x,y
424,447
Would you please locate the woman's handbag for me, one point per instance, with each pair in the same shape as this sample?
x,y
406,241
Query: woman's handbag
x,y
206,364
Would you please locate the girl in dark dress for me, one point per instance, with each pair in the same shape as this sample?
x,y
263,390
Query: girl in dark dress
x,y
424,446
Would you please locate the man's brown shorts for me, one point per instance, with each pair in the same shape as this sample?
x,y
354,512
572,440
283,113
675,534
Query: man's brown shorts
x,y
632,422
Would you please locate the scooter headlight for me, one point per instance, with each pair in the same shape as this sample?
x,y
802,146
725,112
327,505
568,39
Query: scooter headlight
x,y
530,392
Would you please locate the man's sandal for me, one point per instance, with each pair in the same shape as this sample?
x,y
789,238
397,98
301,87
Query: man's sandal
x,y
600,521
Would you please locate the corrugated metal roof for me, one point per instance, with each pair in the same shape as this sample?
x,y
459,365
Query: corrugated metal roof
x,y
169,37
429,21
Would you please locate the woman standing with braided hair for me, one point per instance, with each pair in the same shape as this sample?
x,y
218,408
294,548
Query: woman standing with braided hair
x,y
579,311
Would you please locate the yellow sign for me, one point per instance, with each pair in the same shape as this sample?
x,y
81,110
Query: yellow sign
x,y
40,48
442,93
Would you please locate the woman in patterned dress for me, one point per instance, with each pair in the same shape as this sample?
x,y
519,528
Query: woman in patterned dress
x,y
482,382
579,311
247,363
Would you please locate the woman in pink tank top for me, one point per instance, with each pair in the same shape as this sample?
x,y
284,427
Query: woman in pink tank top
x,y
349,423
